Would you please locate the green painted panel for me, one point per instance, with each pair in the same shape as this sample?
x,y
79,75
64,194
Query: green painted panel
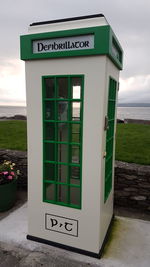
x,y
110,138
105,43
62,139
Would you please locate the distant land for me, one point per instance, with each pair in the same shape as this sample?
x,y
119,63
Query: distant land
x,y
133,105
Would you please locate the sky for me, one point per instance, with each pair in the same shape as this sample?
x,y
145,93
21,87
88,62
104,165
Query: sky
x,y
130,20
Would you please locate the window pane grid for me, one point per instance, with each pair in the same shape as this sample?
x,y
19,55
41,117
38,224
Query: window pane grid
x,y
64,100
60,163
62,133
58,121
110,137
65,143
68,178
61,183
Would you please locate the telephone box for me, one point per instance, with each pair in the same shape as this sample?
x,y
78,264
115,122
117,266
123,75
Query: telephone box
x,y
72,71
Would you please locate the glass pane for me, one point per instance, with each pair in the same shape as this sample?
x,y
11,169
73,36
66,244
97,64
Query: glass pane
x,y
62,87
75,172
49,88
49,171
49,131
62,173
63,132
75,154
76,92
76,88
75,133
63,111
50,152
49,110
75,196
62,153
76,111
62,193
50,191
75,175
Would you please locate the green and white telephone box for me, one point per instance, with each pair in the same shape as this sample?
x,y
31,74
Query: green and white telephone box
x,y
72,72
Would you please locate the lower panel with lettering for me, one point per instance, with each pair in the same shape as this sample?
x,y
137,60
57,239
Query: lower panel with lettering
x,y
61,224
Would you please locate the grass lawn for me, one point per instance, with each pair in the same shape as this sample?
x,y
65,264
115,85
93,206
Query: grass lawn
x,y
13,135
132,140
133,143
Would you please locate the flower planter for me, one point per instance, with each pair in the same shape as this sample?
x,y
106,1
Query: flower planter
x,y
8,195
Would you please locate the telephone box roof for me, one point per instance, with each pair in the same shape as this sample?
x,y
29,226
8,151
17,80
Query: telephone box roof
x,y
66,19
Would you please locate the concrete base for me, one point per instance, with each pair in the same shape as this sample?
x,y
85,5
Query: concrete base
x,y
128,245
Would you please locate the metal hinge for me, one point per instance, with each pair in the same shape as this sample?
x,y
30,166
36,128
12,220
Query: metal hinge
x,y
106,125
104,155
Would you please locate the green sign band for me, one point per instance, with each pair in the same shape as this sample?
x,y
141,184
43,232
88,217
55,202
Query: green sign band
x,y
70,43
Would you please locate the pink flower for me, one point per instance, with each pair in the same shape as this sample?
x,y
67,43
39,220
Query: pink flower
x,y
5,173
12,173
10,177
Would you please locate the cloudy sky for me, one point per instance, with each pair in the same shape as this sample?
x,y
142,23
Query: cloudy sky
x,y
129,19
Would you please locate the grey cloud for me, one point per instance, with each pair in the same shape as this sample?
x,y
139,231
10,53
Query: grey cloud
x,y
130,21
138,90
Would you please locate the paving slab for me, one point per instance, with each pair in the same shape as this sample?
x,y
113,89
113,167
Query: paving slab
x,y
128,245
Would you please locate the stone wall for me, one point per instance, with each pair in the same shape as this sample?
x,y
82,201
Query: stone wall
x,y
134,121
132,181
132,186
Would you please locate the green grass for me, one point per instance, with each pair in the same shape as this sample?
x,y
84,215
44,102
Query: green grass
x,y
13,135
133,143
132,140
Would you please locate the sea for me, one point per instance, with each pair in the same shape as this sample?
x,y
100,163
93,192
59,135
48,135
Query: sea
x,y
142,113
8,111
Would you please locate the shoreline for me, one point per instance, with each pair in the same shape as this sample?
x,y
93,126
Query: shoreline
x,y
133,121
15,117
124,121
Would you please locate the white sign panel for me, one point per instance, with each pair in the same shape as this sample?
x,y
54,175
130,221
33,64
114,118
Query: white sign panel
x,y
61,224
115,51
63,44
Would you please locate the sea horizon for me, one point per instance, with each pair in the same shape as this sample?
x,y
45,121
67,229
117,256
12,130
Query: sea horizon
x,y
9,111
120,104
13,106
133,105
123,112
